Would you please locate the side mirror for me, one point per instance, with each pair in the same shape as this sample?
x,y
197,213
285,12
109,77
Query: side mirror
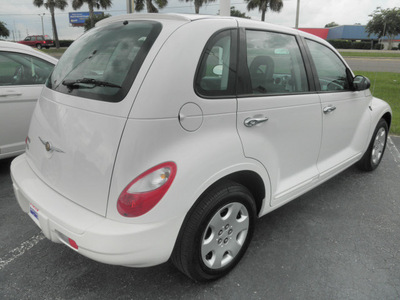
x,y
361,83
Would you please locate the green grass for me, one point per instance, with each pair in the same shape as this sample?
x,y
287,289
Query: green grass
x,y
386,86
394,54
53,50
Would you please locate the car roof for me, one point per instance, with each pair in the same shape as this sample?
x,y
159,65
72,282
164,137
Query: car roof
x,y
15,47
196,17
242,22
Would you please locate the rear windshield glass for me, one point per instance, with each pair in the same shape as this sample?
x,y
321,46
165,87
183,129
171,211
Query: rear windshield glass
x,y
103,63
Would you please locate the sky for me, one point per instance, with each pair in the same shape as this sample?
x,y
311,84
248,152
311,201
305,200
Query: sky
x,y
22,17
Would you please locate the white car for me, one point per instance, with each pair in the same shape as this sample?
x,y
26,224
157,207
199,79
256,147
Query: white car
x,y
23,71
166,136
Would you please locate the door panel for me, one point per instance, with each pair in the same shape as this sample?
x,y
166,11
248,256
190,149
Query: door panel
x,y
345,130
287,144
16,107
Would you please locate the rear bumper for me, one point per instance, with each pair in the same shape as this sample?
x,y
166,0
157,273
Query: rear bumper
x,y
97,237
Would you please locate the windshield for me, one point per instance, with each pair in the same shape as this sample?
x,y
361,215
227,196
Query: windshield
x,y
103,63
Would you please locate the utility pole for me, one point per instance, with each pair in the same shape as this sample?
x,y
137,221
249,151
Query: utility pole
x,y
41,16
129,6
297,14
225,7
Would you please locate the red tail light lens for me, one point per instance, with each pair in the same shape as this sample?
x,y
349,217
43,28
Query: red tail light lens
x,y
146,190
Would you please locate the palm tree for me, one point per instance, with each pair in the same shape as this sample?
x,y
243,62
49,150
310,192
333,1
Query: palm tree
x,y
264,5
198,4
76,4
51,5
151,8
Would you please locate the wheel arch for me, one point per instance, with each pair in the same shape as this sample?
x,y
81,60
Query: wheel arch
x,y
388,118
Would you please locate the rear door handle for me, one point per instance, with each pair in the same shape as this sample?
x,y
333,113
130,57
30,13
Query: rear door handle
x,y
329,109
10,94
250,122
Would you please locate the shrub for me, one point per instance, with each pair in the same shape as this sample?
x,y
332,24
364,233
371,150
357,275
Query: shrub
x,y
66,43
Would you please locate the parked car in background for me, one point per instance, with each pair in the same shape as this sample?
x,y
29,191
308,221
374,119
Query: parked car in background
x,y
148,144
38,41
23,71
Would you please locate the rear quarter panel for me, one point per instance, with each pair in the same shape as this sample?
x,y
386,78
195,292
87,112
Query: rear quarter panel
x,y
154,135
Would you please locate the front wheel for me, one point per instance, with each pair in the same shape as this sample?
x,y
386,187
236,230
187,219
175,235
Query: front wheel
x,y
39,46
216,232
373,156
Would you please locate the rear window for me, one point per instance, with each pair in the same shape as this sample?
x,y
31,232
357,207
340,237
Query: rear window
x,y
103,63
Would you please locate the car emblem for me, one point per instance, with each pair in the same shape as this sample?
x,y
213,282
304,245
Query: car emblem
x,y
49,147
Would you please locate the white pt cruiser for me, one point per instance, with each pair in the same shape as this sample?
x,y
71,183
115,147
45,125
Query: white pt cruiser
x,y
166,136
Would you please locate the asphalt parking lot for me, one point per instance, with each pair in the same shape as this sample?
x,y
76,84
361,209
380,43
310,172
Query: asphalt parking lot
x,y
339,241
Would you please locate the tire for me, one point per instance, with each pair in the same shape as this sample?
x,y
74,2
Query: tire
x,y
373,156
39,46
216,232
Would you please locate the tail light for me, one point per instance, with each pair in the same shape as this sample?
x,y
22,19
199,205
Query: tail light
x,y
146,190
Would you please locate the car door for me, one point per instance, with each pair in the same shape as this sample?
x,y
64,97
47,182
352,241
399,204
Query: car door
x,y
346,114
21,80
279,114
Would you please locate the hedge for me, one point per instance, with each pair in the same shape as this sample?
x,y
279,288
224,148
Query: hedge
x,y
65,43
343,44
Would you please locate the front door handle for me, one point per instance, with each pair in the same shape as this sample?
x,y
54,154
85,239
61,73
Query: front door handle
x,y
250,122
329,109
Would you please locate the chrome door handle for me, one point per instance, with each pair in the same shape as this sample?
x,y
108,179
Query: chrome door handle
x,y
250,122
329,109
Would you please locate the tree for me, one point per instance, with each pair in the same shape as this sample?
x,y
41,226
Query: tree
x,y
238,13
331,24
384,22
76,4
198,4
264,5
52,5
4,32
97,18
151,8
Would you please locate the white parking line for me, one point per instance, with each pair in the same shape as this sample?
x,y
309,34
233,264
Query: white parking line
x,y
17,252
394,151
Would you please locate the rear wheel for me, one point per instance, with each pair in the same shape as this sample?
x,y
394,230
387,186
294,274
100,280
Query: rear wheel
x,y
216,232
373,156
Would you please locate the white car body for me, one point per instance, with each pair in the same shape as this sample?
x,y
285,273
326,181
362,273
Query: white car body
x,y
96,148
17,102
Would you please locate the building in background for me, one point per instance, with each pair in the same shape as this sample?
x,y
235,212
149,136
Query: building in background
x,y
354,33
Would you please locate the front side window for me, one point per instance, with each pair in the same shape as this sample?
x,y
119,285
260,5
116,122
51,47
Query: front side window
x,y
23,69
216,72
331,71
103,63
275,64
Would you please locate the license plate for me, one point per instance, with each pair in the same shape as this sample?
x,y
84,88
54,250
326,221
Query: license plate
x,y
34,211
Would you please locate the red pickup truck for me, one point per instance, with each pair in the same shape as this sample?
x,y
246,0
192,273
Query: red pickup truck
x,y
38,41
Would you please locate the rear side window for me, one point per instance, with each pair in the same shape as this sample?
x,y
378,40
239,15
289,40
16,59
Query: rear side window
x,y
275,64
216,72
23,69
104,62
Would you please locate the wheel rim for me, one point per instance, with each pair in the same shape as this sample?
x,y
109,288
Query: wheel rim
x,y
225,235
379,146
